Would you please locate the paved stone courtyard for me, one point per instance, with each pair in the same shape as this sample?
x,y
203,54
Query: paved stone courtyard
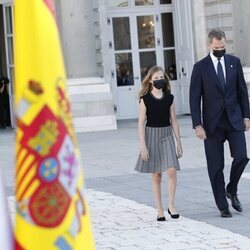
x,y
121,201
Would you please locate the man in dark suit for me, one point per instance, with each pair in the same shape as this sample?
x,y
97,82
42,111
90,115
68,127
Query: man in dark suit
x,y
220,111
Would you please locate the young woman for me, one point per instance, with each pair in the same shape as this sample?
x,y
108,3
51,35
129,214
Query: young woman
x,y
157,146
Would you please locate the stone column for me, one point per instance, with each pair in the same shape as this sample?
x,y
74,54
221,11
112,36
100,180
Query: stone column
x,y
199,28
76,22
241,18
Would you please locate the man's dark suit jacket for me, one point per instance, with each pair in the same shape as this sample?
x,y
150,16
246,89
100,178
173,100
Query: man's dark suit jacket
x,y
233,98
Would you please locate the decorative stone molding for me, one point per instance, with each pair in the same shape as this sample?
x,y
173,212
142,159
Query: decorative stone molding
x,y
98,38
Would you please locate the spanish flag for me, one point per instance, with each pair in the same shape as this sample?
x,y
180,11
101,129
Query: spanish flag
x,y
51,209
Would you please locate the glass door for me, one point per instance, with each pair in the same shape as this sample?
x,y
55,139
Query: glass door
x,y
9,51
146,43
123,73
157,32
8,33
140,41
168,45
134,49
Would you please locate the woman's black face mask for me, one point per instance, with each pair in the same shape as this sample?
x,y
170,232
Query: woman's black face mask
x,y
159,84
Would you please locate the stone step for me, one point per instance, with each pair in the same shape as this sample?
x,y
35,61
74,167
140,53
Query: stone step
x,y
91,104
85,81
94,123
92,108
90,97
85,89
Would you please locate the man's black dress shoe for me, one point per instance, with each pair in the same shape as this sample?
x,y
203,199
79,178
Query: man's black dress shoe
x,y
161,218
173,216
235,202
225,213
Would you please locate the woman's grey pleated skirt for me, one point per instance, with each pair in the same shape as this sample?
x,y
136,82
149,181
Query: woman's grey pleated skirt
x,y
162,152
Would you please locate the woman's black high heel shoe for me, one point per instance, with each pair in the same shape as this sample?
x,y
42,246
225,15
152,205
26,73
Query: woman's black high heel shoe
x,y
173,216
161,218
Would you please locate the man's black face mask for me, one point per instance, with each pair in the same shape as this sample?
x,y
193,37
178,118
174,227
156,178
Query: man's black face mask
x,y
219,52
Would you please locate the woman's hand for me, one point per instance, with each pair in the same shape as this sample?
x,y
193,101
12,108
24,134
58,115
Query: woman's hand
x,y
144,153
179,150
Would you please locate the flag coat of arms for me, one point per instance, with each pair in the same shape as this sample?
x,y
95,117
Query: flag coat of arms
x,y
51,209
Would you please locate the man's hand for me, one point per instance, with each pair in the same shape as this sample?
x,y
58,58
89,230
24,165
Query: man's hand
x,y
247,124
200,132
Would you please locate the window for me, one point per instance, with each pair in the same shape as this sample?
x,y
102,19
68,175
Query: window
x,y
165,1
117,3
144,2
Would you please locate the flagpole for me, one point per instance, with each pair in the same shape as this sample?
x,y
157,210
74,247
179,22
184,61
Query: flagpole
x,y
6,236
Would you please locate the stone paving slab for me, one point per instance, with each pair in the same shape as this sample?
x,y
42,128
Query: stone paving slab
x,y
120,223
126,218
194,198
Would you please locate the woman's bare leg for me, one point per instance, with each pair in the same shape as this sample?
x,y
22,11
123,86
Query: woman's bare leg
x,y
172,180
156,185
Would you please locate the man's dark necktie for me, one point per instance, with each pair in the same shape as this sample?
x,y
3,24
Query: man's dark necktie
x,y
221,74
